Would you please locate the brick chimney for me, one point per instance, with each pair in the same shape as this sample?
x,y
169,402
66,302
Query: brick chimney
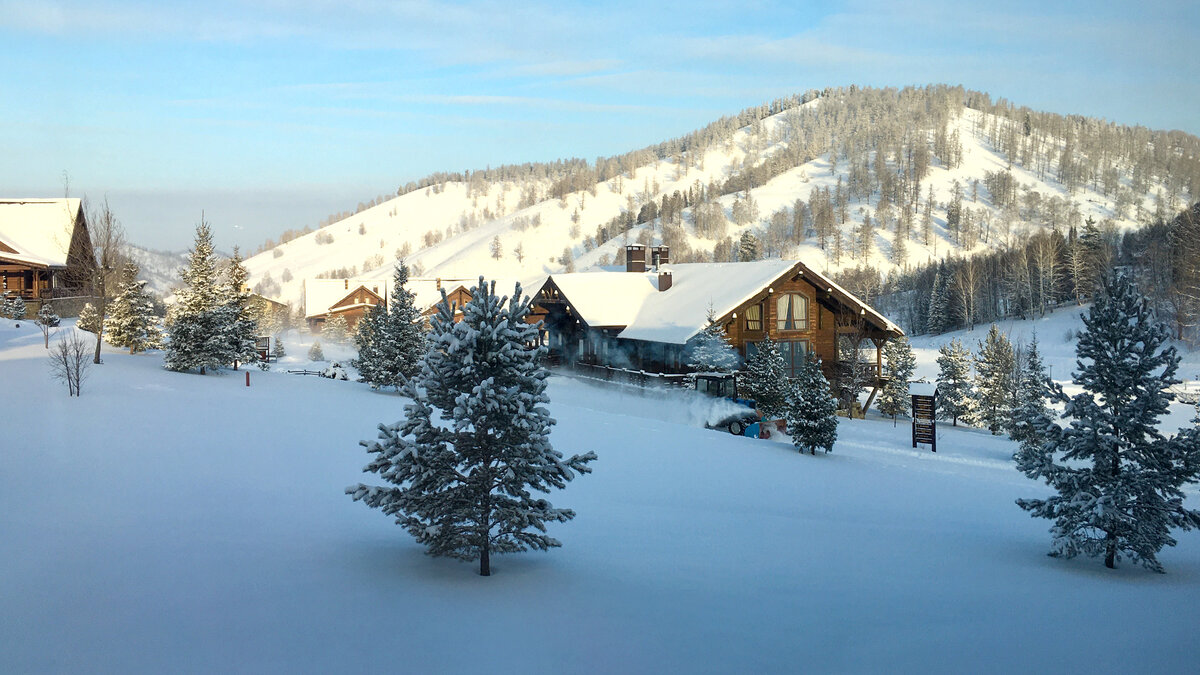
x,y
660,255
635,258
664,280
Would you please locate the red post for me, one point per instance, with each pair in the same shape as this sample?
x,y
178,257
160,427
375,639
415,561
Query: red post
x,y
247,378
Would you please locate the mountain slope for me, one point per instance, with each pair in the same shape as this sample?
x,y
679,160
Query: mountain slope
x,y
1047,171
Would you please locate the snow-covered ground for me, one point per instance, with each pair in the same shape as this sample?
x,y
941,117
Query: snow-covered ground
x,y
168,522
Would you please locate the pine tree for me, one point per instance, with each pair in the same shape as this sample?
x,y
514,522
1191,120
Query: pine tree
x,y
765,380
197,325
894,400
278,351
461,480
496,248
89,319
955,394
131,322
939,301
1032,423
404,346
367,336
1118,478
241,326
709,350
315,353
13,307
811,409
46,320
994,380
748,247
336,329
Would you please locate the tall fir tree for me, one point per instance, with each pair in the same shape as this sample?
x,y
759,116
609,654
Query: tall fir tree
x,y
241,322
89,319
938,320
197,324
404,345
812,409
894,399
367,337
994,384
765,380
131,322
709,350
336,329
461,480
1034,389
955,393
1118,479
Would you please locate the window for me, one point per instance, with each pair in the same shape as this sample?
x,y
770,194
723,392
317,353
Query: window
x,y
754,318
791,312
792,351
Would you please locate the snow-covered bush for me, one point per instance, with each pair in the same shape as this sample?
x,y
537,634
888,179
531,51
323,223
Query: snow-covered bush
x,y
315,353
335,371
13,307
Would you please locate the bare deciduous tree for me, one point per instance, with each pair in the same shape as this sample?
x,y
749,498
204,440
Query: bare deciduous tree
x,y
108,241
69,361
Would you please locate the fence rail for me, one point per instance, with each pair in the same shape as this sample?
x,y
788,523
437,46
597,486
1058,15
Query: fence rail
x,y
638,378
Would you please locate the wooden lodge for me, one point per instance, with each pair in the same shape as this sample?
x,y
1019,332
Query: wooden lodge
x,y
643,318
351,298
45,249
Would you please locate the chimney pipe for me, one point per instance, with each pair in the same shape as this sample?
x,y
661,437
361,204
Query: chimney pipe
x,y
664,280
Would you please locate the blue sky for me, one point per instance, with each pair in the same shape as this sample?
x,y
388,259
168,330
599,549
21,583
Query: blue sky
x,y
271,114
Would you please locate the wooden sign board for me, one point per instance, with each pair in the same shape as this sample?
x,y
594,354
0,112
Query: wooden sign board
x,y
924,424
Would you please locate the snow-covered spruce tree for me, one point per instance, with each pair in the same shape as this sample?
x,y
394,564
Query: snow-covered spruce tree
x,y
709,351
131,322
765,380
994,381
89,319
336,329
938,320
196,324
461,480
894,400
240,315
14,307
811,410
278,350
367,336
1034,389
46,320
955,393
315,353
403,343
1118,478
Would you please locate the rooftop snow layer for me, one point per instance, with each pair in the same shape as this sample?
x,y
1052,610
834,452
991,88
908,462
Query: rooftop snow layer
x,y
321,294
39,229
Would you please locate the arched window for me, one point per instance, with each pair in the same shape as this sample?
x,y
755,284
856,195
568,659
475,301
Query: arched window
x,y
791,312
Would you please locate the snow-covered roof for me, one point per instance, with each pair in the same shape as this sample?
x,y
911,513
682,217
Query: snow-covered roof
x,y
39,230
922,388
632,299
321,294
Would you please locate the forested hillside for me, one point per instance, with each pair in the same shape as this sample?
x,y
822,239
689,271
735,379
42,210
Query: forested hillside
x,y
874,185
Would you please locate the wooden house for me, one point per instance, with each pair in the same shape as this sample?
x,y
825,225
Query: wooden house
x,y
45,249
644,317
351,298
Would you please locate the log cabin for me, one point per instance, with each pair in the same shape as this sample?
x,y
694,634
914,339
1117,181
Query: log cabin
x,y
351,298
45,249
643,318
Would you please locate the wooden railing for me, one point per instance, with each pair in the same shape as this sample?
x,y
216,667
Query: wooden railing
x,y
638,378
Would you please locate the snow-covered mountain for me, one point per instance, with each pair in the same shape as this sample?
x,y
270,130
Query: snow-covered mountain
x,y
160,269
904,161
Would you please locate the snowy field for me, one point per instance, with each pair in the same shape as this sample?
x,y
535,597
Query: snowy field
x,y
177,523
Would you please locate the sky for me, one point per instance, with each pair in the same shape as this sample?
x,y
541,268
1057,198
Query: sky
x,y
272,114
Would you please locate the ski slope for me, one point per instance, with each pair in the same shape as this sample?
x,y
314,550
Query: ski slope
x,y
168,522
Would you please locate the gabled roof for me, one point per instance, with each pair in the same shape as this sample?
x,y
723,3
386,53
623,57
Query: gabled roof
x,y
39,230
632,302
322,294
